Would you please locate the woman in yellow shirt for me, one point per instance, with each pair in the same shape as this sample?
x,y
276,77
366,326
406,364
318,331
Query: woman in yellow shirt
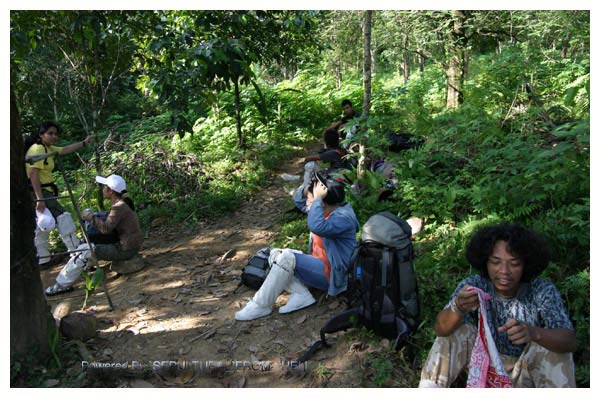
x,y
43,186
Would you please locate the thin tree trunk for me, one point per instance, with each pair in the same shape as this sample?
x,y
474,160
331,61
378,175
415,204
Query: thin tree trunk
x,y
367,65
565,46
405,60
55,96
29,313
238,116
456,68
367,92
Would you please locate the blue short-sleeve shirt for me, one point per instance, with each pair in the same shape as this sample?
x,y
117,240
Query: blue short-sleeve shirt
x,y
537,303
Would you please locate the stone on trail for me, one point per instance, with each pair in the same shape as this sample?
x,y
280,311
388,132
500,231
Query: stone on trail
x,y
125,267
78,325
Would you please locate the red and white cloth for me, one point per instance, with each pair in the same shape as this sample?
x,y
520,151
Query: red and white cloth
x,y
486,369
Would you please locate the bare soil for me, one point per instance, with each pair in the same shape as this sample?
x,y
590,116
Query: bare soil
x,y
181,307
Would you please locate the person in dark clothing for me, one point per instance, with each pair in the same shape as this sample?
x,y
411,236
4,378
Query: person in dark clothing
x,y
333,154
349,114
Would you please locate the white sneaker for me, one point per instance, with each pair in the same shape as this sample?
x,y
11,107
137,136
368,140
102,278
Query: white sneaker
x,y
297,301
252,311
427,384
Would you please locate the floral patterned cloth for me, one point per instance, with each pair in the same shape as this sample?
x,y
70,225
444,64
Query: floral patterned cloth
x,y
486,369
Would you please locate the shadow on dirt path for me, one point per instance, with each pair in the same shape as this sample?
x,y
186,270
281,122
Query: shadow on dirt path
x,y
181,307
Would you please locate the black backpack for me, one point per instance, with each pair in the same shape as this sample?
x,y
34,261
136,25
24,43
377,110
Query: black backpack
x,y
255,272
382,288
403,141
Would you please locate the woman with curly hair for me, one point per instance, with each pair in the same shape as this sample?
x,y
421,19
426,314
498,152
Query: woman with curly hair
x,y
525,315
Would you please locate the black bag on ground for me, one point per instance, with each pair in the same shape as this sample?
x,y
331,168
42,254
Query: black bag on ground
x,y
402,141
382,287
256,270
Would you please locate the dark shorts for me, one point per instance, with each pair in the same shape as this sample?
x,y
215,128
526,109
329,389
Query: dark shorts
x,y
109,252
55,208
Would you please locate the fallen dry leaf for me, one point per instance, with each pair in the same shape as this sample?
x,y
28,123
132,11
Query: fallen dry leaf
x,y
228,254
301,319
137,328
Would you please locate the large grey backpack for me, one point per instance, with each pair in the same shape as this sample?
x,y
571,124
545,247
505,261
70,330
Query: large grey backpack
x,y
382,288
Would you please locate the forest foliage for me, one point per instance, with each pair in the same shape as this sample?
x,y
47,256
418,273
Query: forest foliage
x,y
195,108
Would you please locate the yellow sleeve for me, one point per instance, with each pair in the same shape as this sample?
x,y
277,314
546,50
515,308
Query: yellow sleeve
x,y
36,149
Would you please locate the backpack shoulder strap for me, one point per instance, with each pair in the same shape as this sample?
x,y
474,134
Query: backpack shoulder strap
x,y
341,321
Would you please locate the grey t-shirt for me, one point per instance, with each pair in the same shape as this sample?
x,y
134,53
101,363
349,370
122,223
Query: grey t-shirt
x,y
537,303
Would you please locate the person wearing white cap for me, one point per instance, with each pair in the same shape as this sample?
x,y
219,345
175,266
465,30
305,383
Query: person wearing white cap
x,y
121,219
44,191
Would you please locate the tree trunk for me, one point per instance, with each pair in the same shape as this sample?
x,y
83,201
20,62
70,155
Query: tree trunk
x,y
238,116
99,194
455,70
565,46
405,59
29,312
367,92
367,65
373,64
454,84
54,98
421,64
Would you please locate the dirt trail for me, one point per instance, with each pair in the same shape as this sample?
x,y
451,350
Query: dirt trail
x,y
181,307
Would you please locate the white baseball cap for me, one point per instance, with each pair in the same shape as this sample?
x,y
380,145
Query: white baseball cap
x,y
113,181
45,221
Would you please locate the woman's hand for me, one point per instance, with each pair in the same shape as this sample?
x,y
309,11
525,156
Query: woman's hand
x,y
89,139
319,190
467,299
518,332
87,215
40,206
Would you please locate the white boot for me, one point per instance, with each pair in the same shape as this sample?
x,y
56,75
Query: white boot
x,y
300,297
66,230
40,242
282,270
427,384
71,272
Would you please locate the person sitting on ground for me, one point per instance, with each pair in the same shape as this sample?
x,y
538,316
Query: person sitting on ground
x,y
527,317
44,191
121,219
333,227
333,155
349,114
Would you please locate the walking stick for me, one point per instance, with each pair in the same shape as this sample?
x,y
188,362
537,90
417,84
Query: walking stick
x,y
35,158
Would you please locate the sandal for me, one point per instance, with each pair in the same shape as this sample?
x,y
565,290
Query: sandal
x,y
57,289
